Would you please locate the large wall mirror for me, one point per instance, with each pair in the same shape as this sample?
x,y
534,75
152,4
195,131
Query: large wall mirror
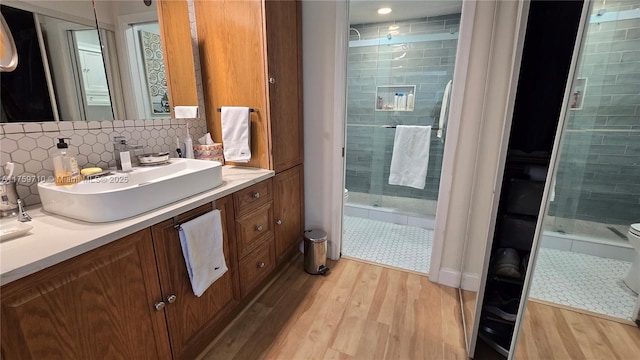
x,y
88,60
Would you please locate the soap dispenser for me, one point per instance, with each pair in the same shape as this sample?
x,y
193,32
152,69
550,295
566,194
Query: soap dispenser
x,y
65,165
188,145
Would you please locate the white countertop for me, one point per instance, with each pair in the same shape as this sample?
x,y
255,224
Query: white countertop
x,y
55,239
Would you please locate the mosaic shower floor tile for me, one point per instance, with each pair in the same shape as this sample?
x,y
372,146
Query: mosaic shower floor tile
x,y
584,282
402,246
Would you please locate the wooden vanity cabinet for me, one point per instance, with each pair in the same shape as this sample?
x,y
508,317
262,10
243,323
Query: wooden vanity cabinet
x,y
97,305
193,321
288,204
255,234
254,229
251,55
283,23
129,299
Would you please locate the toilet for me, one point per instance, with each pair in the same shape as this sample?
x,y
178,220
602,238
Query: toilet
x,y
633,277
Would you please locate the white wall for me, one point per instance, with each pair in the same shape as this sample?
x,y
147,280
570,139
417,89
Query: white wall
x,y
109,10
323,68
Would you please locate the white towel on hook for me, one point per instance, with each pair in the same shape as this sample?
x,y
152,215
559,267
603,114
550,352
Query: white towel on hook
x,y
444,109
186,112
236,133
410,157
202,248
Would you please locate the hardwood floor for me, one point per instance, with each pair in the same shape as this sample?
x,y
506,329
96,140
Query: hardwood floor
x,y
358,311
550,332
365,311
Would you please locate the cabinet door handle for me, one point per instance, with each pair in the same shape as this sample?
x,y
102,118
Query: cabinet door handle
x,y
279,222
256,195
261,264
171,298
159,305
272,80
259,228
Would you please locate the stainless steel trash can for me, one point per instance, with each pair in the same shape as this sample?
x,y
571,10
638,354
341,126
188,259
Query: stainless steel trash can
x,y
315,252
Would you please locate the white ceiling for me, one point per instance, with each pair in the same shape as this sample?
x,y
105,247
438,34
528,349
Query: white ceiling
x,y
365,11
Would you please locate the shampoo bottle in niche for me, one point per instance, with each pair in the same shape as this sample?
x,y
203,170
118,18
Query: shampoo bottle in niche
x,y
188,145
410,101
65,165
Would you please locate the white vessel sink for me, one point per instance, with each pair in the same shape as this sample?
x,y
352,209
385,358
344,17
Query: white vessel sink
x,y
122,195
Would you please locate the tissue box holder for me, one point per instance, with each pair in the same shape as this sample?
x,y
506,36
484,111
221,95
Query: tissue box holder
x,y
209,152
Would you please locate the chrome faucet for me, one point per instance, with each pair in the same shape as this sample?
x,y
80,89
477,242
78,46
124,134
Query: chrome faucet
x,y
22,213
121,144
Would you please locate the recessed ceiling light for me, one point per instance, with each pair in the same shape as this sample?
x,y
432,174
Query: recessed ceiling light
x,y
384,11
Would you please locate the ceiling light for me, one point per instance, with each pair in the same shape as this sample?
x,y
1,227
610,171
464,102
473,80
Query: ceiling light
x,y
394,27
384,11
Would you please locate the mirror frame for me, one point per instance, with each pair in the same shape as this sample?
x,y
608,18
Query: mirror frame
x,y
10,46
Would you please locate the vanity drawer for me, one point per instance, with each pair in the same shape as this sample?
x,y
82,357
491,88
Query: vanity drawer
x,y
257,266
254,228
252,197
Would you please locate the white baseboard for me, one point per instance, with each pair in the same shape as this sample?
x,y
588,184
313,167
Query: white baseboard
x,y
449,277
470,282
453,278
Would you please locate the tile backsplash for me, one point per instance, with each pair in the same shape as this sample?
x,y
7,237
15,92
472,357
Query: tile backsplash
x,y
31,146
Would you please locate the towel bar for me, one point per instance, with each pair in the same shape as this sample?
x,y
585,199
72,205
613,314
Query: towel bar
x,y
250,110
394,126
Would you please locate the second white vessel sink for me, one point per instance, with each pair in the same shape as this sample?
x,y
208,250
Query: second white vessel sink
x,y
124,195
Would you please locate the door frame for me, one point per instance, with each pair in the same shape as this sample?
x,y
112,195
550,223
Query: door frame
x,y
452,137
339,125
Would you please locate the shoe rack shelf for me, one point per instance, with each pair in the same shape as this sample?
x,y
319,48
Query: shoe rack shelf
x,y
508,280
494,344
534,127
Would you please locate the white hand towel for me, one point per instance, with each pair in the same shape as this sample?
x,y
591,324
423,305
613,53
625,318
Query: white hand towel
x,y
202,247
444,109
410,157
236,133
185,112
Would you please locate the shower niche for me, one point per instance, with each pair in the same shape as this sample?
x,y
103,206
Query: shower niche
x,y
395,98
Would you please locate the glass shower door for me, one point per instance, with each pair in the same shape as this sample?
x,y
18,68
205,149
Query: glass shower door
x,y
597,189
585,255
398,73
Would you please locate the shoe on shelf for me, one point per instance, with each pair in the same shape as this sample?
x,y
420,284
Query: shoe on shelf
x,y
496,328
505,309
507,263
